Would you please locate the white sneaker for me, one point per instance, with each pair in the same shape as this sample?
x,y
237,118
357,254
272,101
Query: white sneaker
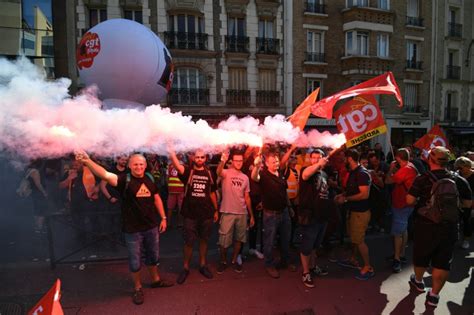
x,y
465,244
256,253
239,259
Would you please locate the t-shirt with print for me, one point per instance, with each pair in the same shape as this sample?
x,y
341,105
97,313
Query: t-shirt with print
x,y
234,186
274,196
357,177
197,203
314,195
403,179
138,206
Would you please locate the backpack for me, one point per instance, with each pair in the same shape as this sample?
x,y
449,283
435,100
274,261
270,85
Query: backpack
x,y
443,204
24,188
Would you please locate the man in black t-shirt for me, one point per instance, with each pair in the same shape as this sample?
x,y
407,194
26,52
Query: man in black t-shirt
x,y
140,204
356,198
433,243
199,210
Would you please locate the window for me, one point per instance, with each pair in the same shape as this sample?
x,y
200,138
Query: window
x,y
383,4
237,78
267,80
134,15
189,88
412,8
357,43
313,84
186,23
315,42
451,110
382,45
96,16
265,29
414,55
411,97
357,3
236,27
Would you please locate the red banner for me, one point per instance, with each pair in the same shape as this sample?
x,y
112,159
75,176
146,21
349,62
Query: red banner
x,y
49,303
301,113
434,137
383,84
360,119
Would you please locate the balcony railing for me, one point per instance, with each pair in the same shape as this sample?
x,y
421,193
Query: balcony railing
x,y
455,30
451,114
414,64
189,96
315,57
270,46
183,40
238,97
237,44
414,21
312,7
453,72
268,98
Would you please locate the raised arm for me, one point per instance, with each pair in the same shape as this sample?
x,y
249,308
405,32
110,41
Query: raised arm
x,y
96,169
174,159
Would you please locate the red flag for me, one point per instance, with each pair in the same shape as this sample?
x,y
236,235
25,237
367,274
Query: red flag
x,y
301,113
434,137
49,303
360,119
383,84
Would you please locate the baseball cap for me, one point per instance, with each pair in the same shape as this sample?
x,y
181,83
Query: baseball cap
x,y
440,155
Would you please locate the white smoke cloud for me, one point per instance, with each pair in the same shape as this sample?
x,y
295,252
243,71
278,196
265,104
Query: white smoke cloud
x,y
38,118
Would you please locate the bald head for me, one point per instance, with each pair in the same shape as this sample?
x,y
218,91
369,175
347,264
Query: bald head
x,y
137,165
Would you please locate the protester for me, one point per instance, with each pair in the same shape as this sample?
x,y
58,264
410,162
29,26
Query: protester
x,y
435,234
175,193
464,166
35,175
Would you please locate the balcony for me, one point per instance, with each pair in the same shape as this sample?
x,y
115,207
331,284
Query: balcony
x,y
239,44
188,97
453,72
238,97
451,114
314,57
183,40
269,46
268,98
455,30
414,21
312,7
414,64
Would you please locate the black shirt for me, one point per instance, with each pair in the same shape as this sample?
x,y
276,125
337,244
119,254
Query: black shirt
x,y
273,188
138,206
197,203
314,195
114,193
357,177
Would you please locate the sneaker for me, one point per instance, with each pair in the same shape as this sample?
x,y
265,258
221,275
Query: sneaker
x,y
465,244
349,264
365,276
237,267
239,259
256,253
138,297
273,272
318,271
221,267
182,276
396,266
206,272
432,300
419,286
162,284
307,280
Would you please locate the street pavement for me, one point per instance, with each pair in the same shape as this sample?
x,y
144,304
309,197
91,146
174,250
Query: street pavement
x,y
105,287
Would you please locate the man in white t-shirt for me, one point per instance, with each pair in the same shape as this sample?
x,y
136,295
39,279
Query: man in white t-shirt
x,y
234,207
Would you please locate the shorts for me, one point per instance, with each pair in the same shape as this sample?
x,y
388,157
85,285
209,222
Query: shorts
x,y
229,223
400,220
358,223
175,200
194,229
434,244
312,236
138,242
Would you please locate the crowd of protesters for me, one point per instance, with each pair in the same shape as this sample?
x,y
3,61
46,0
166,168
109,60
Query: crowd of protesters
x,y
277,197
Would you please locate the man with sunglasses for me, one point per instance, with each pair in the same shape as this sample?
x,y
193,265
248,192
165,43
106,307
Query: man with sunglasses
x,y
199,209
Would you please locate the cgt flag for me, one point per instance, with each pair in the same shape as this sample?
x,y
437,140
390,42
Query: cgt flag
x,y
49,303
301,113
434,137
383,84
360,119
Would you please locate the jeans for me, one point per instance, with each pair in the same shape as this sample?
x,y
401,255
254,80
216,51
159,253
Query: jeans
x,y
148,241
274,222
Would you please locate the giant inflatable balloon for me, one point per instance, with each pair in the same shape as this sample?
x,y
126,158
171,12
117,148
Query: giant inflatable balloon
x,y
127,61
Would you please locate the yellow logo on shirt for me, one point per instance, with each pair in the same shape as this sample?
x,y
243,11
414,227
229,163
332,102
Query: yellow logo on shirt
x,y
143,192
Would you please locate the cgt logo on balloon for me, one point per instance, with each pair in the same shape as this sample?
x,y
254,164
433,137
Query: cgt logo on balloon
x,y
360,119
89,47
